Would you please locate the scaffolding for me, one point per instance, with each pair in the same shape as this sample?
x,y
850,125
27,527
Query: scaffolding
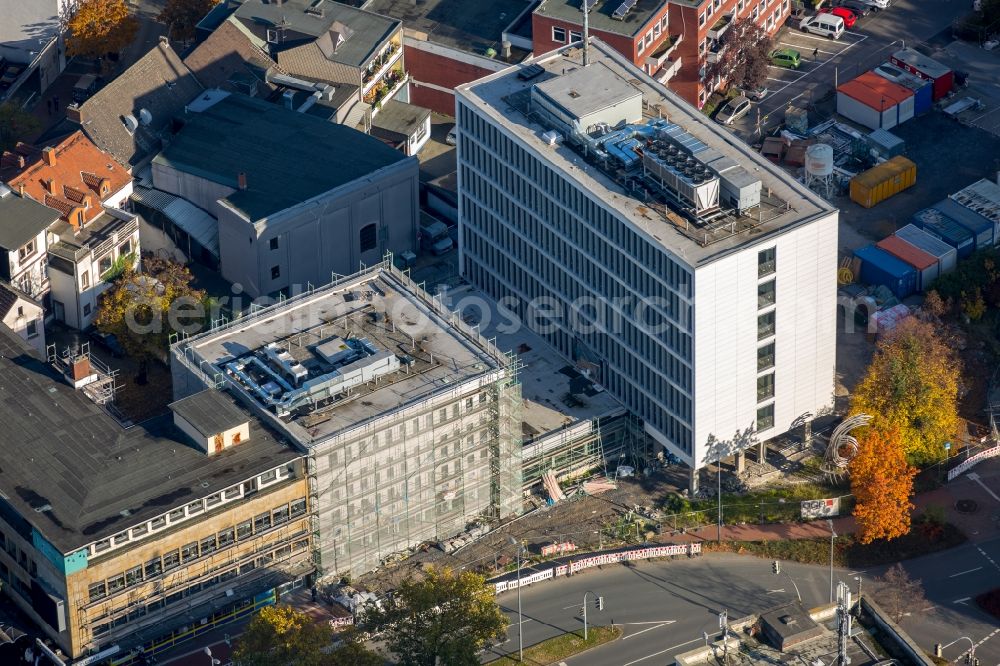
x,y
98,381
506,471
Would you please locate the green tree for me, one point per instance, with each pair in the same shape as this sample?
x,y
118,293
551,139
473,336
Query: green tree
x,y
181,16
99,27
446,616
16,124
142,309
911,386
282,636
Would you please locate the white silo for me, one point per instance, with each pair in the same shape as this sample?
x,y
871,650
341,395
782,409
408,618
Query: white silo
x,y
819,169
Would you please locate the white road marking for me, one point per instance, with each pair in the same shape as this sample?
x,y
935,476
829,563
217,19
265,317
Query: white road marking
x,y
514,624
863,38
656,654
653,622
975,477
827,39
801,47
972,649
962,573
961,601
988,558
775,591
642,631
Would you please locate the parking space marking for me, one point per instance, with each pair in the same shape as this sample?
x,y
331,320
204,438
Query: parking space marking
x,y
818,50
818,66
828,40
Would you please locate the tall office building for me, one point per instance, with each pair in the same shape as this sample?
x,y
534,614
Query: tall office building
x,y
687,274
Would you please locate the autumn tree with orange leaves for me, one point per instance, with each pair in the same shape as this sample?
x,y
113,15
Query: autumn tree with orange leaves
x,y
911,387
882,483
99,27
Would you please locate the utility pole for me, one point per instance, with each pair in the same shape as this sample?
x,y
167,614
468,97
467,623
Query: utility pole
x,y
598,604
520,622
833,535
724,625
718,476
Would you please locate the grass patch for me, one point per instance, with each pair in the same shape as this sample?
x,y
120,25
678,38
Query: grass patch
x,y
924,538
779,504
561,647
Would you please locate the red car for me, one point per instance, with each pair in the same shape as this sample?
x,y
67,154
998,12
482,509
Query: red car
x,y
850,18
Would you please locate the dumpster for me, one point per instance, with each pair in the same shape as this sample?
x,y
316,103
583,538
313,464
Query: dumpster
x,y
883,181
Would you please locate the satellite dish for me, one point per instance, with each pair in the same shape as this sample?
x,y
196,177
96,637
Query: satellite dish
x,y
145,117
131,124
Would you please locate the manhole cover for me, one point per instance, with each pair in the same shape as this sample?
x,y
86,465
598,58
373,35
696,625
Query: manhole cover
x,y
966,506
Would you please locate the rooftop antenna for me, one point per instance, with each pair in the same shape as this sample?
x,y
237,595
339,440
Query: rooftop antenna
x,y
586,5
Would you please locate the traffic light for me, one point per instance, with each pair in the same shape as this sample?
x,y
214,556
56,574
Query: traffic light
x,y
583,611
968,658
776,567
599,603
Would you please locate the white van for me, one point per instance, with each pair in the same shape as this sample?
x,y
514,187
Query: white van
x,y
826,25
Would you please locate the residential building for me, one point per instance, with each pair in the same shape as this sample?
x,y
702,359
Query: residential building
x,y
24,243
98,551
229,60
410,417
94,237
694,277
446,45
32,50
129,117
671,40
403,126
316,40
23,315
287,216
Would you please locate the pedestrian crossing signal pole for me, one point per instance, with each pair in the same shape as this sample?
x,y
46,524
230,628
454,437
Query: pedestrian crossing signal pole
x,y
598,604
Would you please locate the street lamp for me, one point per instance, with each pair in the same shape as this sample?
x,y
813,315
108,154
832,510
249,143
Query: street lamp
x,y
776,568
718,476
520,636
971,652
212,660
833,535
598,604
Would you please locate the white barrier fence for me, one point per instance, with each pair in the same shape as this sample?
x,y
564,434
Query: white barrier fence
x,y
966,465
597,560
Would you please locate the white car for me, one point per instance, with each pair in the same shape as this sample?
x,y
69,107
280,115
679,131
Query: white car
x,y
734,109
452,137
877,4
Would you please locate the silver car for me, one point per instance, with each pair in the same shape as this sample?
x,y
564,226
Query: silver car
x,y
734,109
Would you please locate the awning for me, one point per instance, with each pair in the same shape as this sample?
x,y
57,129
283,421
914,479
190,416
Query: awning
x,y
202,227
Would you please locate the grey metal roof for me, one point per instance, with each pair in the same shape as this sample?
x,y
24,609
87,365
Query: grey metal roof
x,y
585,91
21,219
209,412
281,152
201,226
400,118
601,15
76,475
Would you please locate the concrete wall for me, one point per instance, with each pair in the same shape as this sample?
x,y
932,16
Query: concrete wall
x,y
201,192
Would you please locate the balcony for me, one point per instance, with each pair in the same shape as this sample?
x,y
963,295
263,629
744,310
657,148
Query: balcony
x,y
663,51
765,361
386,87
715,51
720,27
765,329
766,268
380,65
668,71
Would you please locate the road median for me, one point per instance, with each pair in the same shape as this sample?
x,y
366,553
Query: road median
x,y
556,649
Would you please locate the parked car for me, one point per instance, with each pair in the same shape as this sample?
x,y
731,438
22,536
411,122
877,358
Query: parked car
x,y
850,18
859,7
733,110
825,25
755,95
452,137
789,58
877,4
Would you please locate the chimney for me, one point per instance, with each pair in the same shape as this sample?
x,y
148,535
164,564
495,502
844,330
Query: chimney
x,y
50,184
73,113
20,189
505,49
80,369
49,155
164,42
241,180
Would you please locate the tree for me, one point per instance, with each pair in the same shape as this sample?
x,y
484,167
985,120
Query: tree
x,y
183,15
142,309
16,124
100,27
448,616
283,636
882,483
912,386
745,57
898,594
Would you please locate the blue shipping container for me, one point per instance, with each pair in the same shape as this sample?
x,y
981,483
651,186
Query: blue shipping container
x,y
944,228
980,227
880,267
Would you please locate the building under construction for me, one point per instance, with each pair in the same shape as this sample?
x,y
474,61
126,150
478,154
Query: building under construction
x,y
411,419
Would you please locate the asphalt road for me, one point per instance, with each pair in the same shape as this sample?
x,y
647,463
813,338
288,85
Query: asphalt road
x,y
665,606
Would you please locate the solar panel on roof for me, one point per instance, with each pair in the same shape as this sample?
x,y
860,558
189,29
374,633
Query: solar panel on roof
x,y
589,4
530,72
620,13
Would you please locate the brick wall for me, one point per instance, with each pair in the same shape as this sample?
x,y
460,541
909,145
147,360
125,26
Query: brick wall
x,y
439,70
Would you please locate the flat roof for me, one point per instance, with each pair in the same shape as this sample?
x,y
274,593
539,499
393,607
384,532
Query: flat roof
x,y
785,203
602,16
276,148
21,219
209,412
76,475
554,393
587,90
379,306
467,26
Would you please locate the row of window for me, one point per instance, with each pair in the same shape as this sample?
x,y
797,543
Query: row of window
x,y
559,35
367,240
767,265
141,611
192,551
652,35
195,508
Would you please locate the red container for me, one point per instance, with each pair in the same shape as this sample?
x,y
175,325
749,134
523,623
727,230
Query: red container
x,y
925,263
926,68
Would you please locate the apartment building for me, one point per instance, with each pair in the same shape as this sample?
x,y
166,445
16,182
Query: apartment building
x,y
23,315
108,558
411,419
695,276
94,237
671,40
23,241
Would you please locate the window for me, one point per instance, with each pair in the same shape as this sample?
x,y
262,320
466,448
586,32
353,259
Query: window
x,y
104,264
298,507
139,531
558,34
120,538
208,545
171,560
26,250
765,417
195,507
212,500
273,243
176,515
268,477
97,591
154,567
157,523
244,530
117,583
765,325
575,36
231,493
32,329
275,272
133,576
280,515
227,537
189,551
765,387
709,11
766,262
368,237
701,18
762,6
101,546
125,248
765,295
86,310
765,357
261,522
249,487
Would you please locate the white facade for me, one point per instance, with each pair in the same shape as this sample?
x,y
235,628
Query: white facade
x,y
27,319
27,266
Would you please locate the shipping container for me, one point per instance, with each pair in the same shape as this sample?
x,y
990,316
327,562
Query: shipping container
x,y
980,228
875,102
917,63
878,267
983,197
947,256
902,95
923,89
883,181
924,263
944,228
886,143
